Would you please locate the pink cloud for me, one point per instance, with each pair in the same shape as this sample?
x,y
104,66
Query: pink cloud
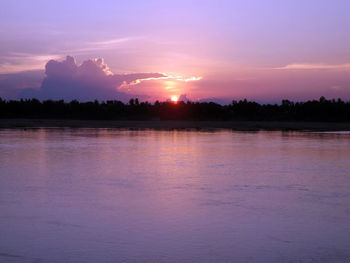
x,y
311,66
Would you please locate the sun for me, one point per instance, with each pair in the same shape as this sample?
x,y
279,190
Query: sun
x,y
174,99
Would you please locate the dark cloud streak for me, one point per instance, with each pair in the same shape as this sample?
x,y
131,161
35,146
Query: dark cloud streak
x,y
12,84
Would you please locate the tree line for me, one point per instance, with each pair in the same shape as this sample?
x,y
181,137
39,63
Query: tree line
x,y
313,110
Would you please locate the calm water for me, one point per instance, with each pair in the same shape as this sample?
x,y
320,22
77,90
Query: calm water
x,y
99,195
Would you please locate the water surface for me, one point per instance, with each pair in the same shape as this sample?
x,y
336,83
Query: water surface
x,y
100,195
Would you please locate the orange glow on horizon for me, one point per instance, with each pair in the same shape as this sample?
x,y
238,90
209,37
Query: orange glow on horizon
x,y
174,99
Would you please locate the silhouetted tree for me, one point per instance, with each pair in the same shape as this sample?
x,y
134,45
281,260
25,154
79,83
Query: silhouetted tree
x,y
314,110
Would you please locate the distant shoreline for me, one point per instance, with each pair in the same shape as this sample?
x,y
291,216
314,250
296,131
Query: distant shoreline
x,y
177,125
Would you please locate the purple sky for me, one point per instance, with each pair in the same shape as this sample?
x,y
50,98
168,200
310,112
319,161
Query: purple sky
x,y
262,50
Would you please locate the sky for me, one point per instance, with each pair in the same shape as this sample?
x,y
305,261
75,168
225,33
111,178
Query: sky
x,y
200,50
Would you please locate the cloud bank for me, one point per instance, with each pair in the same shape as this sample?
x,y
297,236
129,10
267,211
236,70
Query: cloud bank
x,y
88,81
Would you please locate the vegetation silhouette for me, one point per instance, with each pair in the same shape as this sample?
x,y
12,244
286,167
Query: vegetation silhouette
x,y
321,110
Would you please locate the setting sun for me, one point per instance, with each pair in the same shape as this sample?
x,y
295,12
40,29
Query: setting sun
x,y
174,99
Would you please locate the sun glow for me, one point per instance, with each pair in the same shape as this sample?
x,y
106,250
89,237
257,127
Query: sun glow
x,y
174,99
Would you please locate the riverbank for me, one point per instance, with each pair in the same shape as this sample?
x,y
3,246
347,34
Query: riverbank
x,y
166,125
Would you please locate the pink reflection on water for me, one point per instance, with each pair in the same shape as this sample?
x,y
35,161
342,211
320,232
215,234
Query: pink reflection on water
x,y
70,195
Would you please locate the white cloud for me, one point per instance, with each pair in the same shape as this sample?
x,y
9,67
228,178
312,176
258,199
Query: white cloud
x,y
171,77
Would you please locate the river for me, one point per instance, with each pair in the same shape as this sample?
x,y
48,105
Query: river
x,y
147,196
